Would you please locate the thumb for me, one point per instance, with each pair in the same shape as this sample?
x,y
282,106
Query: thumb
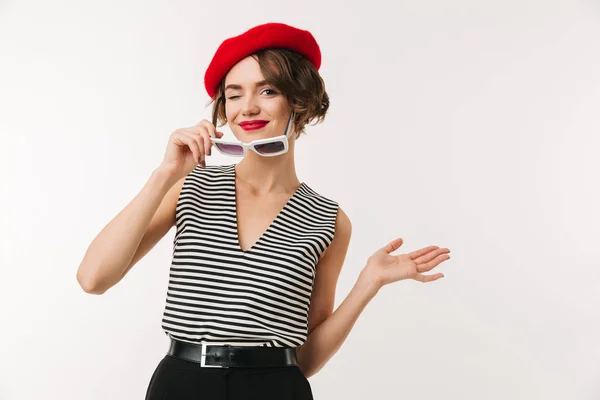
x,y
393,245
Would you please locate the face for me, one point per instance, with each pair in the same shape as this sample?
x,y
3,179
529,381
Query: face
x,y
249,98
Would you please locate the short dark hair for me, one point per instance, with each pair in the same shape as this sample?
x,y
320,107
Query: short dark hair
x,y
296,77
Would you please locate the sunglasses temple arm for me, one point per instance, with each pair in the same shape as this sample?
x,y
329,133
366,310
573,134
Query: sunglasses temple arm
x,y
289,124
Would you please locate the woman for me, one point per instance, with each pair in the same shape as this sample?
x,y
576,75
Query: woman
x,y
257,253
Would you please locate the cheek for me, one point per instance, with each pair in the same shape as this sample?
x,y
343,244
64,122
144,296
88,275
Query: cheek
x,y
281,108
230,111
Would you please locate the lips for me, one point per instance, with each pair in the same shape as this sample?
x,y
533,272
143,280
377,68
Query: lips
x,y
249,125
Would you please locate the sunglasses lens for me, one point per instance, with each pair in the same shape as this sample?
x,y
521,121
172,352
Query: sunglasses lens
x,y
230,148
270,148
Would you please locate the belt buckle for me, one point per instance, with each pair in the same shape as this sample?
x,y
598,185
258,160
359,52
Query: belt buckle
x,y
203,359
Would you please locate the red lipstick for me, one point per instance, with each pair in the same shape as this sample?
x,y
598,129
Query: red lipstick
x,y
253,124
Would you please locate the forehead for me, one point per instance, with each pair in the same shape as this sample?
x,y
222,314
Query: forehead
x,y
245,72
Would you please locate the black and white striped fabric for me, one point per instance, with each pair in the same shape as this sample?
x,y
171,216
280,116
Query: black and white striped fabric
x,y
220,294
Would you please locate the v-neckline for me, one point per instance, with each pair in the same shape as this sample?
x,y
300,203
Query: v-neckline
x,y
235,208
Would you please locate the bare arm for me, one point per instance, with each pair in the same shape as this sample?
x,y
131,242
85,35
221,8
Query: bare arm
x,y
130,234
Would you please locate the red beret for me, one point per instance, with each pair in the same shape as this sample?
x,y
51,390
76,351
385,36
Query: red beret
x,y
270,35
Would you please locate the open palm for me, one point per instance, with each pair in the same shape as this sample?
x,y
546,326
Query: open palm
x,y
384,268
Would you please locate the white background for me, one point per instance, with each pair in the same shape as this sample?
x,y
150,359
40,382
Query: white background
x,y
466,124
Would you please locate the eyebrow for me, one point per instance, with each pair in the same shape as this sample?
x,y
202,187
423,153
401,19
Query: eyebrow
x,y
238,87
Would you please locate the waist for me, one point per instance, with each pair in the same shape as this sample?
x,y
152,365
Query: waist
x,y
226,356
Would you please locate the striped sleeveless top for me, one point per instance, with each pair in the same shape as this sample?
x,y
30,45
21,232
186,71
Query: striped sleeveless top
x,y
221,294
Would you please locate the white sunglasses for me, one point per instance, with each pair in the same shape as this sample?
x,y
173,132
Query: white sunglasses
x,y
268,147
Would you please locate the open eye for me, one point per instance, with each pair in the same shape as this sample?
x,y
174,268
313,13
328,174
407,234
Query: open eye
x,y
273,92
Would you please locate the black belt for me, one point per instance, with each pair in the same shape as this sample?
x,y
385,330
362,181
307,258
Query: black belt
x,y
225,356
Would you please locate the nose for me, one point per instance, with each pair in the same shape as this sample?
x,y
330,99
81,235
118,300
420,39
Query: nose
x,y
250,105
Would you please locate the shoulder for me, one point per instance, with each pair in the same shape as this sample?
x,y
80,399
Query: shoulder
x,y
317,198
342,226
342,221
207,175
341,236
202,180
211,170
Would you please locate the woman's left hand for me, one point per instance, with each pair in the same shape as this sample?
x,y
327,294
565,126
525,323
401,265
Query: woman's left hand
x,y
383,268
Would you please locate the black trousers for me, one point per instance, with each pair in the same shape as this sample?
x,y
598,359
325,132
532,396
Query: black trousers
x,y
178,379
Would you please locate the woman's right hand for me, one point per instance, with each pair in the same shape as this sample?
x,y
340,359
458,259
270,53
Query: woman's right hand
x,y
189,147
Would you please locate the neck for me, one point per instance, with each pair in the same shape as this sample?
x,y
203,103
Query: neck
x,y
264,175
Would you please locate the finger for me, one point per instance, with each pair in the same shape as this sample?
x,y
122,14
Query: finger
x,y
430,265
200,141
197,138
431,255
198,149
202,126
205,131
203,122
188,140
393,245
210,128
208,142
428,278
418,253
